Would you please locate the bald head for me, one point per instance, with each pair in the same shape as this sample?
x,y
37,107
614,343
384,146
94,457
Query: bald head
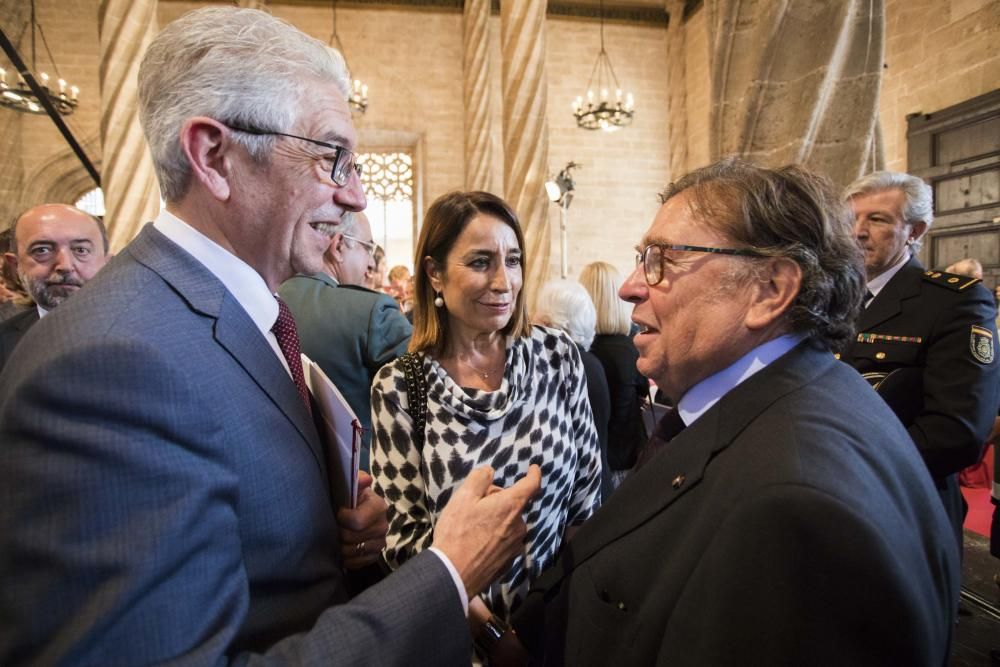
x,y
56,249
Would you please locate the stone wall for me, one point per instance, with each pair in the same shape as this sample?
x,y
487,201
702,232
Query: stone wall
x,y
938,53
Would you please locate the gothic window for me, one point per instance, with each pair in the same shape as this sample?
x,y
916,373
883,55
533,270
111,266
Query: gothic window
x,y
388,181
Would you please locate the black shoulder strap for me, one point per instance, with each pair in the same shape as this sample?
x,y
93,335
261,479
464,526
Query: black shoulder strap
x,y
416,394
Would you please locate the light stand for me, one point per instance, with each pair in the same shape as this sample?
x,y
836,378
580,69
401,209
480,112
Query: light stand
x,y
560,192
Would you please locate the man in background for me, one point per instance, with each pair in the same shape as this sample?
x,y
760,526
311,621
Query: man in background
x,y
346,328
55,250
926,339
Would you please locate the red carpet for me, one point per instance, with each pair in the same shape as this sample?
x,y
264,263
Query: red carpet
x,y
980,508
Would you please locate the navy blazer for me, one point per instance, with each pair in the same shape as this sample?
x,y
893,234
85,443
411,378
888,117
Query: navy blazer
x,y
768,532
165,494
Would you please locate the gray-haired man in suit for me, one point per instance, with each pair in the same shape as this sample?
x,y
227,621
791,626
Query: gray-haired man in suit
x,y
346,328
164,486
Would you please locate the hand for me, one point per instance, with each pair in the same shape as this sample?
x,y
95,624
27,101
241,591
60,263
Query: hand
x,y
481,529
363,529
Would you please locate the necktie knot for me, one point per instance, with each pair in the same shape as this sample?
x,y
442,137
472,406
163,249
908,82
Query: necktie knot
x,y
287,335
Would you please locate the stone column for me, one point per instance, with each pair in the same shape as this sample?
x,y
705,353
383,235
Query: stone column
x,y
676,90
131,192
797,81
252,4
479,166
525,130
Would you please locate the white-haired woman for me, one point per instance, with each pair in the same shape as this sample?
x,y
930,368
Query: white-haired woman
x,y
565,305
614,348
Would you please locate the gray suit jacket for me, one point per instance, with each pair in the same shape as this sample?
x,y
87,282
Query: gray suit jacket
x,y
351,332
165,493
769,532
11,331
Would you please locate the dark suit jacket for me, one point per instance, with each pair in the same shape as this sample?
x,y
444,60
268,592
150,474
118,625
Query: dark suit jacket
x,y
165,494
351,332
769,532
626,389
11,331
600,408
954,396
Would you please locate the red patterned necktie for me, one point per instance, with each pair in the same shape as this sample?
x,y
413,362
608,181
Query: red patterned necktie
x,y
288,340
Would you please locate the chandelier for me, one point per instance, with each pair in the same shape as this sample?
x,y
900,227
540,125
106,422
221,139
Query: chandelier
x,y
599,111
27,94
357,99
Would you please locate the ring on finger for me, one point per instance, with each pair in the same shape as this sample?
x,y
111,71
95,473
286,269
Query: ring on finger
x,y
360,547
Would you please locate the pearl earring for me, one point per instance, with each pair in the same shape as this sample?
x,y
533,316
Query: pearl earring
x,y
439,300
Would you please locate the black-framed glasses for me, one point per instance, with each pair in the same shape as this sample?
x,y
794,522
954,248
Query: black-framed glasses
x,y
368,245
655,255
344,160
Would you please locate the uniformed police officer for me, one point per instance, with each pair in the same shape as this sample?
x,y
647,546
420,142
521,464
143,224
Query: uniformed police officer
x,y
936,330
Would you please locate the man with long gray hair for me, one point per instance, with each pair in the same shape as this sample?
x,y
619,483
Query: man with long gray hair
x,y
165,489
926,339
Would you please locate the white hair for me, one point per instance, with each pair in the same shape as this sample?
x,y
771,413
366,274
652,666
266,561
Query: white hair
x,y
565,304
240,66
348,225
918,198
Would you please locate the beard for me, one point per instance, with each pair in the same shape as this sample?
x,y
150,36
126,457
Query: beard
x,y
50,292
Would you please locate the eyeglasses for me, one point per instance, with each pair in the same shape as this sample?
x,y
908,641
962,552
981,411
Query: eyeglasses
x,y
368,245
654,256
344,161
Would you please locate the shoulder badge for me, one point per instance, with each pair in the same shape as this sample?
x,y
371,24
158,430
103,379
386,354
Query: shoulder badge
x,y
952,281
981,344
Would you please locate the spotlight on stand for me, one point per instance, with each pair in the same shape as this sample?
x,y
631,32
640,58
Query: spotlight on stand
x,y
560,192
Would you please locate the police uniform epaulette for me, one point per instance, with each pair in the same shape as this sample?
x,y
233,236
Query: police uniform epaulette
x,y
360,288
952,281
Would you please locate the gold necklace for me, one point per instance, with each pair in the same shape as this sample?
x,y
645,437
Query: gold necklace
x,y
484,374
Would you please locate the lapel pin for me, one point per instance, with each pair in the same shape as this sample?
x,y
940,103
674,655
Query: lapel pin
x,y
677,481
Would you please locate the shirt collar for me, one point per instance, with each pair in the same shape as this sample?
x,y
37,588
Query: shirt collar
x,y
702,396
242,281
42,312
876,284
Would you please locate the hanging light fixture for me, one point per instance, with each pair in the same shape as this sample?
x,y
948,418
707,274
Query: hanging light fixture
x,y
21,96
599,111
358,97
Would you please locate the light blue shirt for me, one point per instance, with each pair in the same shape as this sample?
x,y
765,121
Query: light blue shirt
x,y
702,396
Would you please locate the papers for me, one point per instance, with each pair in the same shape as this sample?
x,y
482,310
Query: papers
x,y
342,432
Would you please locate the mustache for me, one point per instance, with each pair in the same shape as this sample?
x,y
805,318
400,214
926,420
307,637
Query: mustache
x,y
63,279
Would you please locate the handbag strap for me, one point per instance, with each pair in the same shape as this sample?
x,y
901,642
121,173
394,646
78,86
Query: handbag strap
x,y
416,394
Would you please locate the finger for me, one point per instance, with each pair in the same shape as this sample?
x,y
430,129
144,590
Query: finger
x,y
364,480
476,484
528,486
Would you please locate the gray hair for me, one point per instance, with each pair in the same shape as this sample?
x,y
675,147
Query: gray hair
x,y
565,304
348,225
789,213
918,205
240,66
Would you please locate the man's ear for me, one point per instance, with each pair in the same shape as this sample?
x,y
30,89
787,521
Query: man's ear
x,y
433,272
917,228
207,145
10,263
335,250
772,296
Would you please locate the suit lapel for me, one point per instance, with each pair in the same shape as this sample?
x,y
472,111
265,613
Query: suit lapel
x,y
904,285
233,330
680,466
